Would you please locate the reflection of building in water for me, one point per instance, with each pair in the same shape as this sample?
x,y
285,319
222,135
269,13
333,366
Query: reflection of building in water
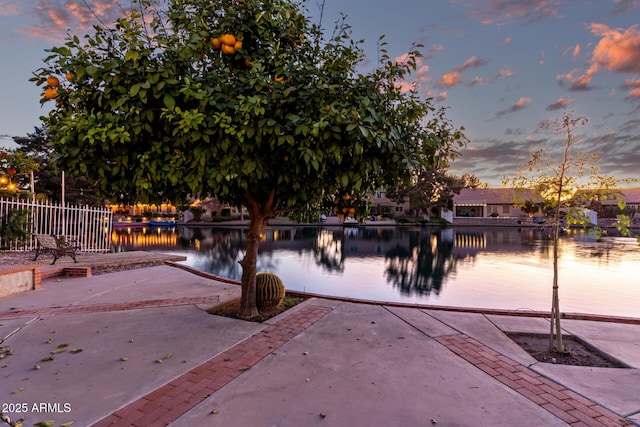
x,y
470,240
136,238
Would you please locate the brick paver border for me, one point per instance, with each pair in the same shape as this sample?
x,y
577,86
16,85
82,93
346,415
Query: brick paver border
x,y
169,402
565,404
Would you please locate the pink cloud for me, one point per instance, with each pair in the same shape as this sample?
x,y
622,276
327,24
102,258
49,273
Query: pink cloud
x,y
520,104
618,51
451,79
497,12
505,73
576,52
560,104
53,18
479,81
634,86
8,8
454,78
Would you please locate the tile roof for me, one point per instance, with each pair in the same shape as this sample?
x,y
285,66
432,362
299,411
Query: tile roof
x,y
629,195
494,196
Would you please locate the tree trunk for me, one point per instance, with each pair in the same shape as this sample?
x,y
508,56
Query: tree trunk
x,y
248,307
555,304
258,212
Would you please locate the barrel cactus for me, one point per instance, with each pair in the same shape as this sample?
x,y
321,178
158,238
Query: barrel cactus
x,y
269,291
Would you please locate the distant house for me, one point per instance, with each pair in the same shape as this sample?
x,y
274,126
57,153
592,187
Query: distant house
x,y
631,196
492,202
382,205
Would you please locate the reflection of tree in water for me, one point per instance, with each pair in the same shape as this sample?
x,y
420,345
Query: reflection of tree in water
x,y
329,249
220,250
423,266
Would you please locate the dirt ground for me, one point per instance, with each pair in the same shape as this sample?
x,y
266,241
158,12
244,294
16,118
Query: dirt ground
x,y
578,354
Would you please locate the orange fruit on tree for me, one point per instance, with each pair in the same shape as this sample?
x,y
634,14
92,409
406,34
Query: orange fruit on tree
x,y
50,93
12,171
228,39
238,44
279,79
71,75
228,50
247,62
53,81
216,43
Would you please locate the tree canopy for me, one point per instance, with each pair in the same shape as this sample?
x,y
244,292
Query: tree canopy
x,y
245,100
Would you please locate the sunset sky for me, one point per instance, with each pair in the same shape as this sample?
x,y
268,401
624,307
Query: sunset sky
x,y
500,66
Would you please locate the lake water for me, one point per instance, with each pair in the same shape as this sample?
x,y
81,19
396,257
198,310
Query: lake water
x,y
501,268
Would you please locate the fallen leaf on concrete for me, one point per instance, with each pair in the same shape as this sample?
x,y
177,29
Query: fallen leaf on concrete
x,y
18,390
75,351
47,423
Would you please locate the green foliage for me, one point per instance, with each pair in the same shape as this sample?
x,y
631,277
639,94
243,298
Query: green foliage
x,y
15,168
153,107
281,123
15,228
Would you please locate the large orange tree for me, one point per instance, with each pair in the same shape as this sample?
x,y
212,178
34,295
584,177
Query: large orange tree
x,y
244,100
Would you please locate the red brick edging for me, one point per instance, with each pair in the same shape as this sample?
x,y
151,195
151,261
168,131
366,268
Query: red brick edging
x,y
169,402
565,404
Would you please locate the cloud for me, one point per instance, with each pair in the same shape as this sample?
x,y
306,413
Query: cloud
x,y
576,52
618,51
633,85
519,105
454,78
560,104
472,62
9,8
506,41
451,79
624,6
498,12
497,157
478,81
505,73
53,18
577,83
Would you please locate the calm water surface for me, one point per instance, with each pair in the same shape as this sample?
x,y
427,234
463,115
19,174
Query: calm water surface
x,y
503,268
